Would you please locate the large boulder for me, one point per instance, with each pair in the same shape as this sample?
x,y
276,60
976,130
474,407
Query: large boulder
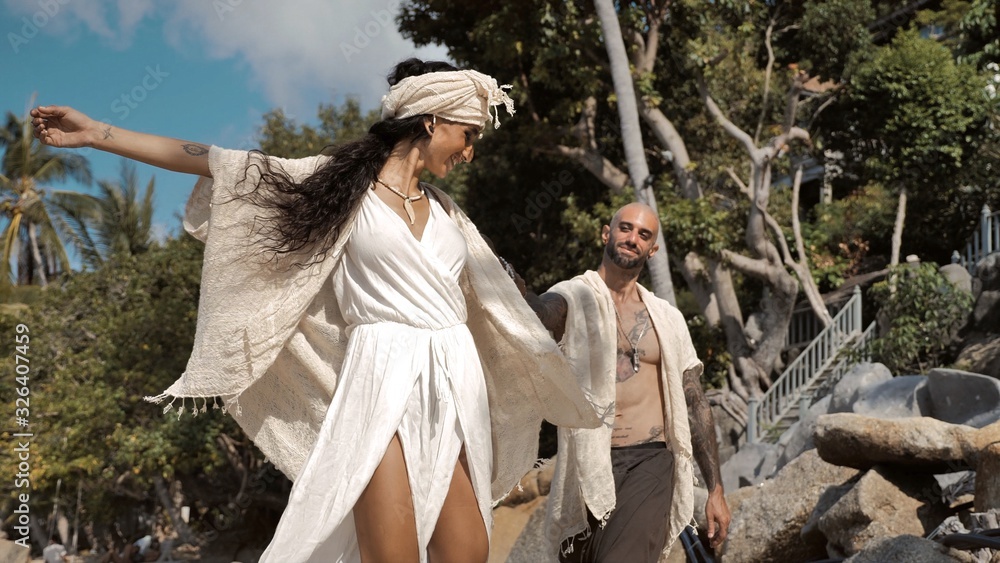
x,y
531,546
987,487
861,441
962,397
900,397
909,549
957,275
766,527
988,272
510,524
854,383
11,552
810,531
799,437
876,508
749,466
986,312
981,355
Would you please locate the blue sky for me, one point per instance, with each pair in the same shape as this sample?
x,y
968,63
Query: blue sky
x,y
193,69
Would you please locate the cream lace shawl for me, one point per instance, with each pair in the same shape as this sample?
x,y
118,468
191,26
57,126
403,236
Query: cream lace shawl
x,y
583,475
270,342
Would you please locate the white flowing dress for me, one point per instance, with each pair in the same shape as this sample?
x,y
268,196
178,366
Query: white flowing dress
x,y
411,368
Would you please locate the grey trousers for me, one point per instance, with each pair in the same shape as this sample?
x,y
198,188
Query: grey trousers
x,y
636,530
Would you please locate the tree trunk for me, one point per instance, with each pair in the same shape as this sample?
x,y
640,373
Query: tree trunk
x,y
692,268
183,532
36,255
897,237
628,112
802,265
76,518
776,313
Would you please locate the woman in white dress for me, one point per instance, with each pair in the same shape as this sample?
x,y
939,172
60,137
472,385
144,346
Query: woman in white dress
x,y
346,352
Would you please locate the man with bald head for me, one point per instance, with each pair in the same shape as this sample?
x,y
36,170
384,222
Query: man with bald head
x,y
623,492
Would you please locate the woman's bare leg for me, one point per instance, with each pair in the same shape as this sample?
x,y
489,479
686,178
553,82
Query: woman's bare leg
x,y
383,516
460,534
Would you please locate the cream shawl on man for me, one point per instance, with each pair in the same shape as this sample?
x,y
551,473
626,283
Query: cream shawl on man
x,y
583,475
270,341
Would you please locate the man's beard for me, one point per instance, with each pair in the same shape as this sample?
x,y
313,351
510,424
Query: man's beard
x,y
621,261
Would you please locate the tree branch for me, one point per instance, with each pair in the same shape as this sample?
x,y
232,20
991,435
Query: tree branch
x,y
739,182
731,128
765,101
802,267
826,103
602,168
786,254
756,267
670,138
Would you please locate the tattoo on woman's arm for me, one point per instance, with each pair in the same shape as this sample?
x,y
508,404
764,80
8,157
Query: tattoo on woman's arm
x,y
703,442
107,133
194,150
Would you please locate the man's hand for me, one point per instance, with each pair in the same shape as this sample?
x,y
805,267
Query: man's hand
x,y
718,516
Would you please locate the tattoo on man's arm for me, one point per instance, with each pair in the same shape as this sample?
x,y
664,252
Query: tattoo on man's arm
x,y
703,442
107,133
194,150
551,308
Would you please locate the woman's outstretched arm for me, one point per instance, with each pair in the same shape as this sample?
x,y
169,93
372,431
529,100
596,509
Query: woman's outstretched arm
x,y
65,127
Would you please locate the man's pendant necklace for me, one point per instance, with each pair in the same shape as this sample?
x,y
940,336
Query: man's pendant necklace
x,y
634,345
407,200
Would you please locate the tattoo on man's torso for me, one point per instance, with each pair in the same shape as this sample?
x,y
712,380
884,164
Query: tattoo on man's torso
x,y
630,350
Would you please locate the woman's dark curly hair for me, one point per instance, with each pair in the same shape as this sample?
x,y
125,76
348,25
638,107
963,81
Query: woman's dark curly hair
x,y
308,216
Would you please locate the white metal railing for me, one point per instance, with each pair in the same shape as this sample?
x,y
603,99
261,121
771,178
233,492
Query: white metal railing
x,y
784,394
982,243
804,325
860,352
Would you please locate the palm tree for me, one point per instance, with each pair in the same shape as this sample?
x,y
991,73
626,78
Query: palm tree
x,y
117,222
26,169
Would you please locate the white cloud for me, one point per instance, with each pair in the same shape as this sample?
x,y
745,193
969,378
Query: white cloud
x,y
300,52
67,18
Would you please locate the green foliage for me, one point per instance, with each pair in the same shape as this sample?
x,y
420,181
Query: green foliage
x,y
922,315
99,343
980,33
933,102
834,31
118,222
944,24
710,343
919,120
701,225
846,236
283,136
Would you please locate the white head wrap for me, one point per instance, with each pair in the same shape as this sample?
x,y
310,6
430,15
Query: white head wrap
x,y
464,96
